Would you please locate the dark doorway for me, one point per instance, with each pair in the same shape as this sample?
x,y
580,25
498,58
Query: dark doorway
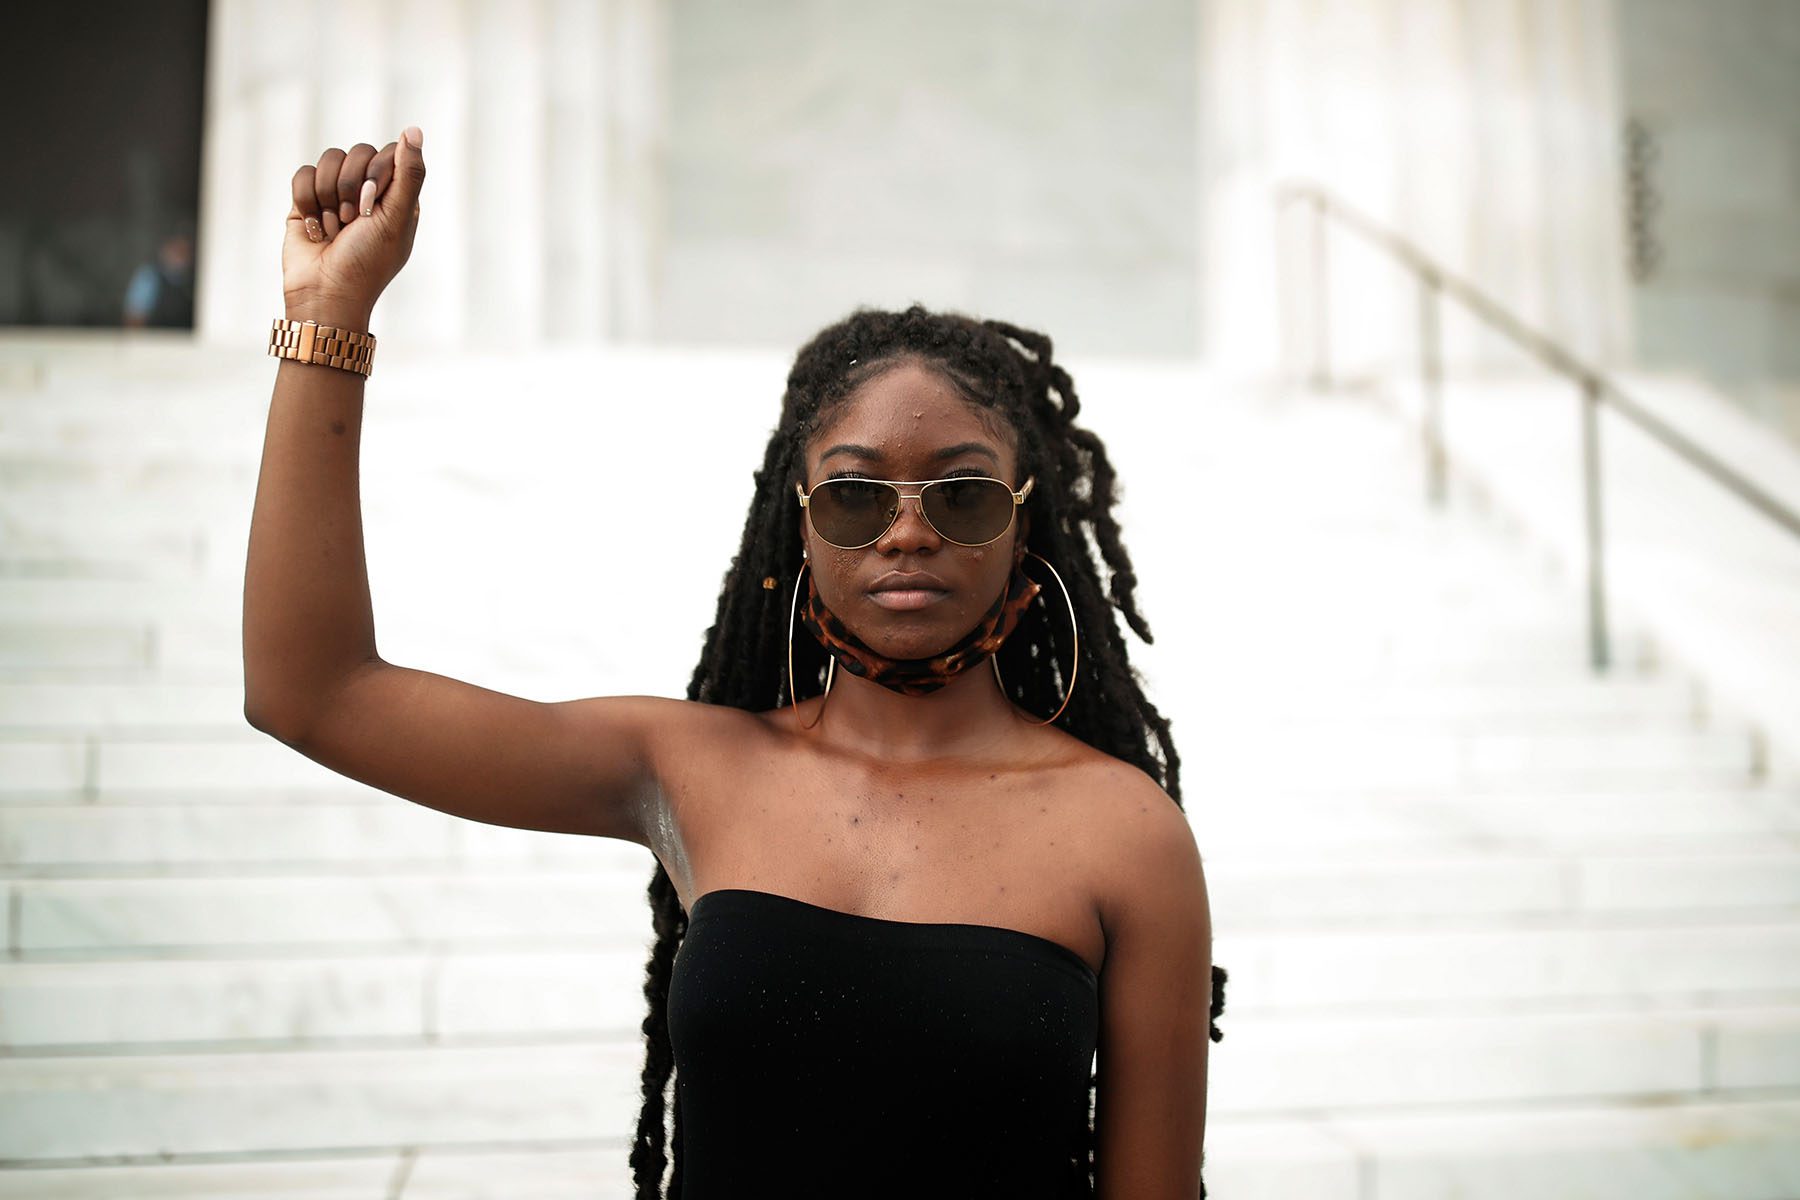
x,y
101,147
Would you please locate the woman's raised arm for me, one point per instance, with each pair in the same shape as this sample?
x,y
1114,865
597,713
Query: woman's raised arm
x,y
312,676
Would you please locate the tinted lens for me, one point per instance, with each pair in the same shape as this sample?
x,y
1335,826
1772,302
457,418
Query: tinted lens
x,y
852,512
971,511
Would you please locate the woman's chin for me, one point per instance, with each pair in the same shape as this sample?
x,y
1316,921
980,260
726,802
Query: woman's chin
x,y
897,638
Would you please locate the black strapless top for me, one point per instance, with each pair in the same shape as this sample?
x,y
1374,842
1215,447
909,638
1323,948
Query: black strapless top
x,y
820,1052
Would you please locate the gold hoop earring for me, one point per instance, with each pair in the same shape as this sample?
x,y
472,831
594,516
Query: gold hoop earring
x,y
1075,635
830,671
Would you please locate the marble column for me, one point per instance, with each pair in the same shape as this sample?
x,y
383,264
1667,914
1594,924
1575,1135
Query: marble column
x,y
543,124
1484,131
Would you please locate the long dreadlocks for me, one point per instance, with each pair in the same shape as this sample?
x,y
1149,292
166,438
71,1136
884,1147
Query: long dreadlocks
x,y
1008,370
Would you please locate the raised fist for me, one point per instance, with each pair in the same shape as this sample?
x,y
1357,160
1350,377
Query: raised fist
x,y
352,225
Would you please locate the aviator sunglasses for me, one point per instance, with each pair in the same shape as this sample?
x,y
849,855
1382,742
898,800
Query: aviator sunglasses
x,y
967,510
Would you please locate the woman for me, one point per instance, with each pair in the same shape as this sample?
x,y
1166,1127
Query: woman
x,y
920,861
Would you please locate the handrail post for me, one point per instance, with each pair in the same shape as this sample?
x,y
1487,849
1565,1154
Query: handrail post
x,y
1439,283
1287,349
1431,379
1321,327
1598,649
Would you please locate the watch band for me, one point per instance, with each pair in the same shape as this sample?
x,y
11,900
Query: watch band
x,y
327,345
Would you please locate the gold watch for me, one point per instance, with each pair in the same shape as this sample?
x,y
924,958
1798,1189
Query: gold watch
x,y
327,345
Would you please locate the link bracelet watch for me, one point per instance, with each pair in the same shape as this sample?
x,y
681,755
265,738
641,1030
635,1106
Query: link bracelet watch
x,y
327,345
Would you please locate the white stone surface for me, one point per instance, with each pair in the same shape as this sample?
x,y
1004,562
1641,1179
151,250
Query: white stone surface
x,y
1035,165
1466,890
176,1104
140,916
1719,580
1718,98
1349,1063
195,834
1406,970
1745,1150
363,1178
1462,124
151,1000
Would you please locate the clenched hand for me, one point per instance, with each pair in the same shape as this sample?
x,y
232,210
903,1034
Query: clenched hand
x,y
351,227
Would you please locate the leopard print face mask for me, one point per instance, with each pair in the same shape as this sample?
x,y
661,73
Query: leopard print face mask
x,y
920,676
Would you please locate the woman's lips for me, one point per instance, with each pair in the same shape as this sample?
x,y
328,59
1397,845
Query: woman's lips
x,y
907,599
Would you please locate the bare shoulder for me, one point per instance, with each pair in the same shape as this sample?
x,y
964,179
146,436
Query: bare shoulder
x,y
1145,854
696,741
684,720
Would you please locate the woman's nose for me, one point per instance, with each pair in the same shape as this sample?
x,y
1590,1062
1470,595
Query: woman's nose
x,y
910,530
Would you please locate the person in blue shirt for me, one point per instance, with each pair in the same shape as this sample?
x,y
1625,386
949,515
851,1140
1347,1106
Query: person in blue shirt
x,y
161,292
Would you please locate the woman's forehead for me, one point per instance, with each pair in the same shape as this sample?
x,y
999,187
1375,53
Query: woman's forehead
x,y
914,414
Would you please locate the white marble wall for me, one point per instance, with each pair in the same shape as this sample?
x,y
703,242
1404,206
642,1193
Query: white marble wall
x,y
697,171
1484,130
1719,89
710,172
541,121
1025,159
702,171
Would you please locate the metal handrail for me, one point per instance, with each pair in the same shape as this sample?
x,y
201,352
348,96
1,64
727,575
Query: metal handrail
x,y
1597,387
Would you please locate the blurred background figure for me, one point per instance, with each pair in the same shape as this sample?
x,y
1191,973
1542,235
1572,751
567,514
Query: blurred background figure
x,y
1448,350
161,291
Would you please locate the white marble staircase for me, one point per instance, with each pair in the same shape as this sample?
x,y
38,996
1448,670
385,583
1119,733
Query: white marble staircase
x,y
1495,927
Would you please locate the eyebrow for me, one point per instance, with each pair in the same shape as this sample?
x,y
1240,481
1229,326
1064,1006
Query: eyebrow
x,y
948,452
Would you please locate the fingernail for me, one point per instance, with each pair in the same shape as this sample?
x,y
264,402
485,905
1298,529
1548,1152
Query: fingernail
x,y
415,137
313,231
368,198
346,212
330,221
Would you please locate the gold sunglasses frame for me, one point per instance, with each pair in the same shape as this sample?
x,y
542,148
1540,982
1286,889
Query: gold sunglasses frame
x,y
1018,498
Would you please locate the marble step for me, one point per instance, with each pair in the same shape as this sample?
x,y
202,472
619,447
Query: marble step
x,y
1493,970
104,645
596,907
1348,1063
272,1003
99,706
1361,649
1697,1150
1446,631
74,601
1494,890
282,1177
599,907
196,648
106,554
1656,701
1420,758
386,996
1702,1149
43,477
382,831
76,1106
208,425
213,646
1431,612
47,765
1598,824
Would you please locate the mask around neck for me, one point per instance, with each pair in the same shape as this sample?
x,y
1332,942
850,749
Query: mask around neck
x,y
920,676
